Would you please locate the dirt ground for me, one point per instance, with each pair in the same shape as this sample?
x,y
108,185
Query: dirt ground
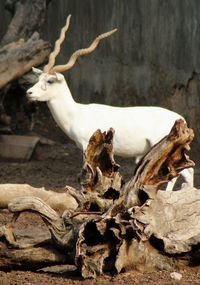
x,y
55,166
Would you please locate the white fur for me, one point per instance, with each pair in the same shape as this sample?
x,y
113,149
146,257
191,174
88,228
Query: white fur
x,y
136,128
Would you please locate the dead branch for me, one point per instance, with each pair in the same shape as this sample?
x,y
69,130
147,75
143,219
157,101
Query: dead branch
x,y
162,163
56,200
18,58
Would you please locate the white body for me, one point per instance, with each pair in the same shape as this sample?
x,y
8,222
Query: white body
x,y
136,128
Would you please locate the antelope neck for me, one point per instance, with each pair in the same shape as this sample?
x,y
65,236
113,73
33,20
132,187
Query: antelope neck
x,y
64,110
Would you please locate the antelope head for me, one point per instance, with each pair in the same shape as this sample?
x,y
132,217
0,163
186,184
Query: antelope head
x,y
51,82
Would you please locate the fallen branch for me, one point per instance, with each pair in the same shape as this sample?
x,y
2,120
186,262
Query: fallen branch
x,y
56,200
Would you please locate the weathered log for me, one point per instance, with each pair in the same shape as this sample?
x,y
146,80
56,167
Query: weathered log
x,y
121,238
63,229
92,247
59,201
18,58
15,255
32,258
94,194
149,230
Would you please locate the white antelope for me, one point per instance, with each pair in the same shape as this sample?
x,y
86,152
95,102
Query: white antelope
x,y
136,128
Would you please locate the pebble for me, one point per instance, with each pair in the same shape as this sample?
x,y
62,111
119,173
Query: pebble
x,y
176,275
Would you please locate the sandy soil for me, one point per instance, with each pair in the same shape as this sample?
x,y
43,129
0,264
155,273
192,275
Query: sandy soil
x,y
57,166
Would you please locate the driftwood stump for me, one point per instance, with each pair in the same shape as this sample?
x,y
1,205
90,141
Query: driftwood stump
x,y
117,226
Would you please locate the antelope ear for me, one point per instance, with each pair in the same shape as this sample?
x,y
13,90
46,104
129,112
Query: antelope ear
x,y
59,77
37,71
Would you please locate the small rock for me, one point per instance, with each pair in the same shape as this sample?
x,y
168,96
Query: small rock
x,y
176,275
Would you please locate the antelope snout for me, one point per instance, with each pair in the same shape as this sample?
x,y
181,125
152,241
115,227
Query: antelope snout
x,y
29,93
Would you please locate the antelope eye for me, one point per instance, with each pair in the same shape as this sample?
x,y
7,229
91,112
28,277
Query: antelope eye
x,y
51,80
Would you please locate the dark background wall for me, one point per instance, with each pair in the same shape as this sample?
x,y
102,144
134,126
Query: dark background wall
x,y
5,18
153,59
